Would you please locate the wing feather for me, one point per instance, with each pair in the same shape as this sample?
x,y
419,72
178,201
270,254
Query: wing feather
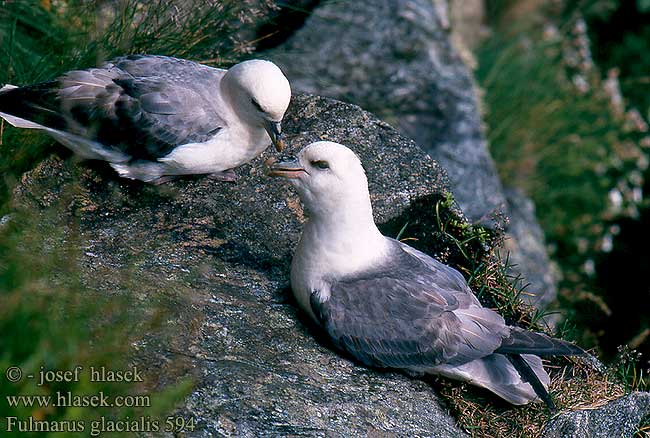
x,y
409,314
525,342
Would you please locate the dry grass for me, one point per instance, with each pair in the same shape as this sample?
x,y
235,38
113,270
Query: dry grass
x,y
644,431
574,385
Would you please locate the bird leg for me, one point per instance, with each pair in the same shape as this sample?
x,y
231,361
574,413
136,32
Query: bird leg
x,y
226,175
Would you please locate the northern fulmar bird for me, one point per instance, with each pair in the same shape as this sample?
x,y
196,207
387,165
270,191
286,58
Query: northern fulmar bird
x,y
390,305
154,118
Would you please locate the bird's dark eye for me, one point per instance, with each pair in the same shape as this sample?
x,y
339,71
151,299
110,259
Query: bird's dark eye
x,y
320,164
257,105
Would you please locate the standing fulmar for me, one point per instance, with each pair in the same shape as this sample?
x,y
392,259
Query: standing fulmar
x,y
154,118
390,305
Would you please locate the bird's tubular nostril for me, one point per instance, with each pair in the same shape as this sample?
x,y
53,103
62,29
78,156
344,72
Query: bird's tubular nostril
x,y
288,159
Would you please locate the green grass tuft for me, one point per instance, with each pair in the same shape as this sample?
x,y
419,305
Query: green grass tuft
x,y
51,322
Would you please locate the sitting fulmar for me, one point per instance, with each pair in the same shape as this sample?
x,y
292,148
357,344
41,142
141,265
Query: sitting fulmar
x,y
390,305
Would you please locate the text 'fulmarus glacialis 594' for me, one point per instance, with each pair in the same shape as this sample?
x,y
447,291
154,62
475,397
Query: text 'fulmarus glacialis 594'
x,y
390,305
155,117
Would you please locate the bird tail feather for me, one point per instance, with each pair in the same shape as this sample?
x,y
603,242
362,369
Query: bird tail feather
x,y
146,171
523,341
79,145
497,374
86,148
530,375
16,121
19,122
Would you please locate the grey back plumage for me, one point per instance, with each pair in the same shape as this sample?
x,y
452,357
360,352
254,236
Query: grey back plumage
x,y
141,105
416,313
526,342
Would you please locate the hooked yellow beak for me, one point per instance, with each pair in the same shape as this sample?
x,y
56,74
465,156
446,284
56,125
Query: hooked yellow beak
x,y
274,129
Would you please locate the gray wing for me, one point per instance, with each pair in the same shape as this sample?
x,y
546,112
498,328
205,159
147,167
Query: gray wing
x,y
142,105
151,105
409,314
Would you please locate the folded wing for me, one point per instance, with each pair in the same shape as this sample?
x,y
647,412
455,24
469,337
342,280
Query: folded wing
x,y
408,315
143,106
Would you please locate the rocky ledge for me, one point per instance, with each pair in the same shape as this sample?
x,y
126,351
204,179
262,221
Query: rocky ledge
x,y
220,253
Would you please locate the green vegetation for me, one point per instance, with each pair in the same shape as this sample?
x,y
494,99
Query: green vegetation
x,y
557,132
50,322
620,32
644,429
626,369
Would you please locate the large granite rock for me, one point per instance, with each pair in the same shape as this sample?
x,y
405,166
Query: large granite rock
x,y
527,251
395,58
221,253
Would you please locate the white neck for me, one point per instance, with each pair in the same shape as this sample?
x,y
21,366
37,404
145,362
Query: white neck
x,y
340,241
333,247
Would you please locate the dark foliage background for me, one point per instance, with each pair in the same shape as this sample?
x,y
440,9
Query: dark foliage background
x,y
566,92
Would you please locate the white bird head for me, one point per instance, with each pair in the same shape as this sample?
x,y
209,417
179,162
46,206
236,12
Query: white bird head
x,y
328,177
260,94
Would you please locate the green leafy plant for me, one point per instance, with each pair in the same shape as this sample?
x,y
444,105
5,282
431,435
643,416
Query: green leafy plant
x,y
52,324
627,368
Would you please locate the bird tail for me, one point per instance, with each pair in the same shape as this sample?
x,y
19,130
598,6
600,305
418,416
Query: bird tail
x,y
81,146
531,376
147,171
31,107
13,120
19,122
498,374
523,341
514,371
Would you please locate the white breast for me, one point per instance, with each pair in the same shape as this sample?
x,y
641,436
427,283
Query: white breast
x,y
323,256
230,148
